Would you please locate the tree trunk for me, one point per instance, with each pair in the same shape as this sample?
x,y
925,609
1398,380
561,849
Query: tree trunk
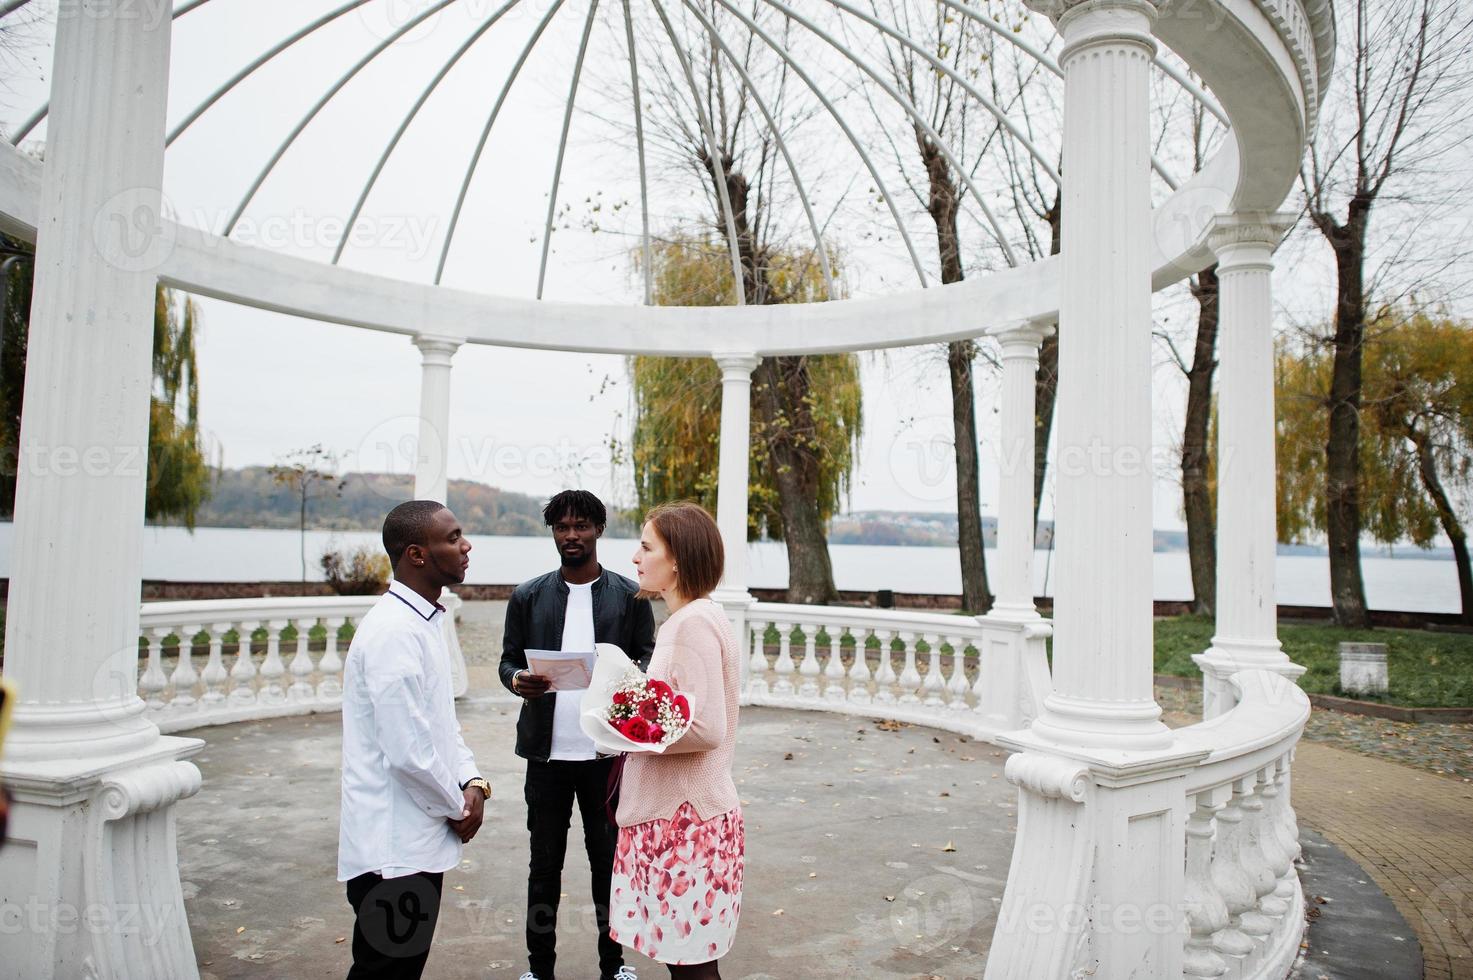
x,y
1046,379
783,385
942,206
976,596
780,396
1196,450
1342,447
302,524
1451,526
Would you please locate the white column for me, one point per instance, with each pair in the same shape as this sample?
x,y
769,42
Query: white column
x,y
1013,675
432,464
432,452
1103,693
1101,787
731,489
1015,531
1247,535
95,783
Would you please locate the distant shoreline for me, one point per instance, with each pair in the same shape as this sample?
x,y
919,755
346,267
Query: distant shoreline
x,y
1169,541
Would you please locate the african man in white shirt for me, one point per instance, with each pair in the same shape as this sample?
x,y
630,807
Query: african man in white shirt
x,y
411,792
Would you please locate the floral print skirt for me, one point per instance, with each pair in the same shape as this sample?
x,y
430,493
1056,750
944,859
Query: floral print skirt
x,y
676,892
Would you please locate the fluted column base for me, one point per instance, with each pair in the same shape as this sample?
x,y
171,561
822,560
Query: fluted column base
x,y
91,866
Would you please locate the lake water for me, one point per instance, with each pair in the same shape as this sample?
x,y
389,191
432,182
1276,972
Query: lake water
x,y
214,554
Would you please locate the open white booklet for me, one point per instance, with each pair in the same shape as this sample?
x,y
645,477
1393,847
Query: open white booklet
x,y
565,670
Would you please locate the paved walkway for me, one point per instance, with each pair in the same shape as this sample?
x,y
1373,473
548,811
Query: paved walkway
x,y
1412,832
929,812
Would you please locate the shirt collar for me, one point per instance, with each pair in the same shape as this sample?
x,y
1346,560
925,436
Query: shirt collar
x,y
423,608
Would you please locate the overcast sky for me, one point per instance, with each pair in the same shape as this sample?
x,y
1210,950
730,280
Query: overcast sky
x,y
524,420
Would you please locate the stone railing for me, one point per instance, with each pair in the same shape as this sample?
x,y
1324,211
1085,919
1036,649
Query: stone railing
x,y
1245,907
220,661
974,675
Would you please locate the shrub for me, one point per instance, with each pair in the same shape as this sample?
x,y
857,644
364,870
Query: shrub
x,y
364,571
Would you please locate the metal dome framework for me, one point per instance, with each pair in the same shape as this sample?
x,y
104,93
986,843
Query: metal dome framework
x,y
1116,812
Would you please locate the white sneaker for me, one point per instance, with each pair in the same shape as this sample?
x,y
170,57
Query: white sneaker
x,y
527,976
625,973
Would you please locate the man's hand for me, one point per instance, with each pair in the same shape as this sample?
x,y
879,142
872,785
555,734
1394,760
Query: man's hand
x,y
529,685
470,821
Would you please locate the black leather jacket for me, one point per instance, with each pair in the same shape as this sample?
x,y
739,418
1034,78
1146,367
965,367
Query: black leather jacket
x,y
534,620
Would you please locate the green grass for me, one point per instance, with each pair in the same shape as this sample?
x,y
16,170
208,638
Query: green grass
x,y
1427,670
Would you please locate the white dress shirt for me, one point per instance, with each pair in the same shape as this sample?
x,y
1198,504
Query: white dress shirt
x,y
569,744
403,757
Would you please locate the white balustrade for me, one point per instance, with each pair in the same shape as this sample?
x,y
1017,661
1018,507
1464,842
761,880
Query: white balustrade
x,y
937,654
1245,906
257,683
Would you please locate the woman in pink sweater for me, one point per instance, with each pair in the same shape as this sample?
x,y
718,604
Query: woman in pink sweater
x,y
676,892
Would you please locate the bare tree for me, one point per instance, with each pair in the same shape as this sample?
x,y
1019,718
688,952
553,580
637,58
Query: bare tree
x,y
955,42
1404,74
706,120
1196,443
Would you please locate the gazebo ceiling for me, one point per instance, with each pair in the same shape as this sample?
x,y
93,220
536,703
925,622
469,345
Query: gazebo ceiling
x,y
355,115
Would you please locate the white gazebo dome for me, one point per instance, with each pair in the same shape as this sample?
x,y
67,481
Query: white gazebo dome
x,y
1140,851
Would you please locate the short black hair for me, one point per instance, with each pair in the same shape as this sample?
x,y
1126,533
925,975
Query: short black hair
x,y
579,503
408,524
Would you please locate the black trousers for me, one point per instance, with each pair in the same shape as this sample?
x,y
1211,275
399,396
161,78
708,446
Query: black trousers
x,y
551,789
395,923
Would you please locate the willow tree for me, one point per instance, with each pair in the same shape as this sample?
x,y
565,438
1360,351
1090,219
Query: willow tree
x,y
712,113
806,414
1381,146
1416,434
179,474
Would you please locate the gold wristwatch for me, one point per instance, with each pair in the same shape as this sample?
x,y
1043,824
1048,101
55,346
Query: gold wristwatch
x,y
481,785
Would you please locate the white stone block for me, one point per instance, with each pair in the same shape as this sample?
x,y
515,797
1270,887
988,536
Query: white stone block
x,y
1363,668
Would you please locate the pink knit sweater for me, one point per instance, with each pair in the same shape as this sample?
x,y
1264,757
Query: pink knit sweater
x,y
697,654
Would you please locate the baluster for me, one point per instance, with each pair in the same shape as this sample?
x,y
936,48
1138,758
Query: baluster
x,y
935,685
910,678
783,667
301,665
215,674
243,673
985,648
1248,860
1269,858
859,670
1281,818
330,668
757,669
272,668
833,673
808,670
152,681
958,686
185,676
885,674
1207,913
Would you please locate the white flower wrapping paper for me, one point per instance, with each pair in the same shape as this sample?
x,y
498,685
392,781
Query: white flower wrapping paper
x,y
609,668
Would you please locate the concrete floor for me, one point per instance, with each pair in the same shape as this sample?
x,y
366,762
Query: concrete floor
x,y
848,868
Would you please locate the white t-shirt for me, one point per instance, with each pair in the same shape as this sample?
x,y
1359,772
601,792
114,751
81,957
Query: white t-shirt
x,y
568,741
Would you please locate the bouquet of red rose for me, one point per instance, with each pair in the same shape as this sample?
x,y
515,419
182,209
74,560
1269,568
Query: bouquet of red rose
x,y
624,711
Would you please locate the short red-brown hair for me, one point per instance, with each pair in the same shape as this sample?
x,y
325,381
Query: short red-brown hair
x,y
694,542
